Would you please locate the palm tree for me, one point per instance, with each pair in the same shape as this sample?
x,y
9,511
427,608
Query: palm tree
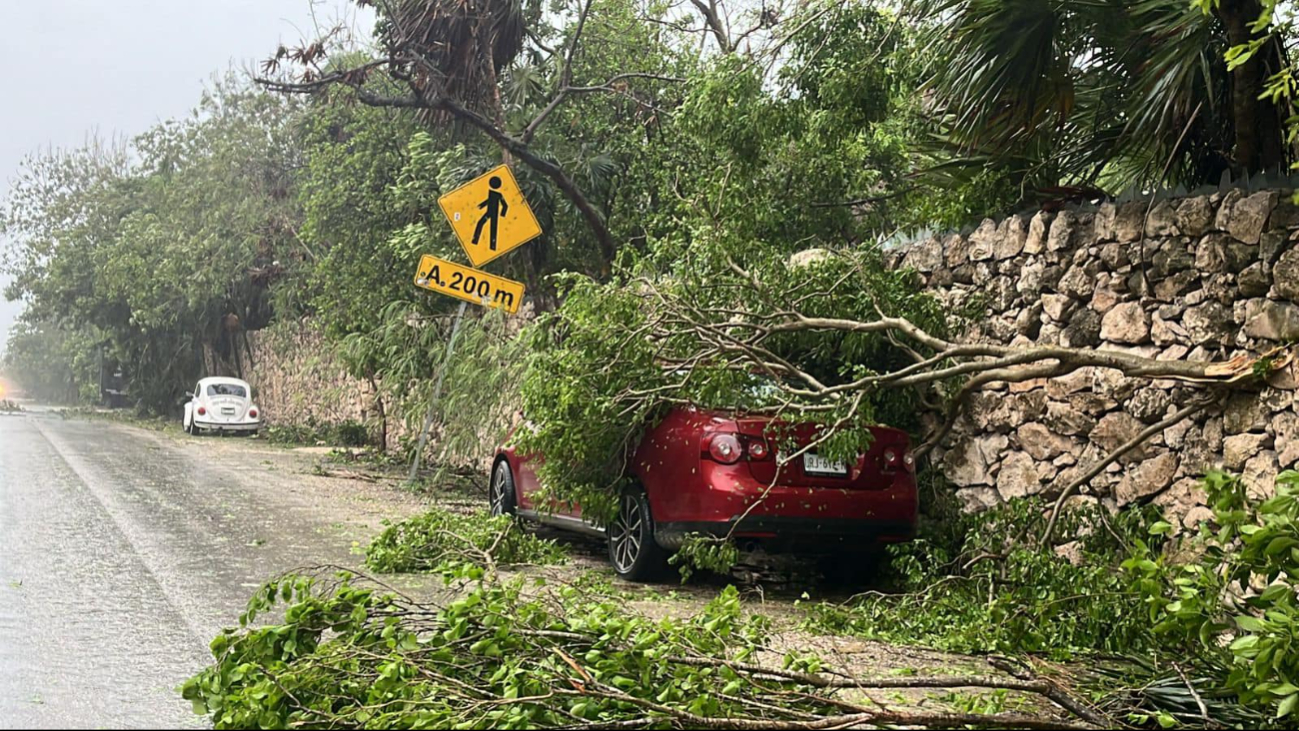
x,y
1100,92
454,48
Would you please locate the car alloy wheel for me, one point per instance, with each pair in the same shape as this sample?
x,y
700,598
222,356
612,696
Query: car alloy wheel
x,y
501,491
627,535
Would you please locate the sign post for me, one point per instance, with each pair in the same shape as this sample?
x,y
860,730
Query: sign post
x,y
490,217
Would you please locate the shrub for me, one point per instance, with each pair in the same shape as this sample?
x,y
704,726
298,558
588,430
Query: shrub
x,y
1235,607
342,434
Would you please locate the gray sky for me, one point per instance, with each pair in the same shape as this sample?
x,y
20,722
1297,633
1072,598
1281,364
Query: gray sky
x,y
78,67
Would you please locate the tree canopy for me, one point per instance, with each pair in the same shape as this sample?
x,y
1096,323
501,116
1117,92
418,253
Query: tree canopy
x,y
668,143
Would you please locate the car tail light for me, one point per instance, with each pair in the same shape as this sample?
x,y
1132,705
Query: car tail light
x,y
253,412
897,458
729,448
201,411
725,448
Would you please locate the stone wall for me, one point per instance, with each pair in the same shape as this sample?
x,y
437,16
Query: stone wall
x,y
1199,278
298,381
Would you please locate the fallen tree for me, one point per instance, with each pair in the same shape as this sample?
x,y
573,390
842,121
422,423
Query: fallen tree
x,y
840,339
352,652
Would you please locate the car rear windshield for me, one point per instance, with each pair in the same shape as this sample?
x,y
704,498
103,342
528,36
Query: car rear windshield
x,y
227,389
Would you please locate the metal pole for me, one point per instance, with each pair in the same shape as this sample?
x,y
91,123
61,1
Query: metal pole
x,y
437,393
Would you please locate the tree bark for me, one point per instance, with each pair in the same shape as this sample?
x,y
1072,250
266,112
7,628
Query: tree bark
x,y
382,412
1258,123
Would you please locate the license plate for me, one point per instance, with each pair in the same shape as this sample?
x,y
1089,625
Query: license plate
x,y
815,464
228,411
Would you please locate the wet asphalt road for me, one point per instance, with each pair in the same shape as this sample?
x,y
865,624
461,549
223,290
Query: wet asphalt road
x,y
122,553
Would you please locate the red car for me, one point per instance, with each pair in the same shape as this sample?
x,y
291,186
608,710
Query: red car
x,y
703,471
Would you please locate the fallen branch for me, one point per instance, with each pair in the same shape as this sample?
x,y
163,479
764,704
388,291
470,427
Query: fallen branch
x,y
453,656
742,339
1157,428
851,720
1034,685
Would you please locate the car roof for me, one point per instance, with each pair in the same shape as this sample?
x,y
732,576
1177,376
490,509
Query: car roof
x,y
215,380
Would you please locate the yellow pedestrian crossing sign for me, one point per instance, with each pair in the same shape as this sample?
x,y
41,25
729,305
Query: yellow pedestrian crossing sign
x,y
490,215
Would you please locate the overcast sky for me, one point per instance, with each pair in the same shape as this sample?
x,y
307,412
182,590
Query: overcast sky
x,y
79,67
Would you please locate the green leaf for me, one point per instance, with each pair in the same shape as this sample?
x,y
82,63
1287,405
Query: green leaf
x,y
1245,643
1275,592
1280,545
1287,705
1249,624
1160,528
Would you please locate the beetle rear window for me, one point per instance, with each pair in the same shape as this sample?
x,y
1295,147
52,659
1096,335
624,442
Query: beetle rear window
x,y
227,389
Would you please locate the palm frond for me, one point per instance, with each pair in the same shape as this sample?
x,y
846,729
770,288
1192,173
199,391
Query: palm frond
x,y
1102,92
456,47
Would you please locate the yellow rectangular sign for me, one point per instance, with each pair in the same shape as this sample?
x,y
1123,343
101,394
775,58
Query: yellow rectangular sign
x,y
490,215
471,285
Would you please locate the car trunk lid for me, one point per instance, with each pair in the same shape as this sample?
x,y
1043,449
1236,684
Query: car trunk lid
x,y
809,468
226,408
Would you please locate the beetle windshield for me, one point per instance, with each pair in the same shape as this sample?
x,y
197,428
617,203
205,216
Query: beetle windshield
x,y
227,389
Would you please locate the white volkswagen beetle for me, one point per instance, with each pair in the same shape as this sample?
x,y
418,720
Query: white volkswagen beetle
x,y
222,404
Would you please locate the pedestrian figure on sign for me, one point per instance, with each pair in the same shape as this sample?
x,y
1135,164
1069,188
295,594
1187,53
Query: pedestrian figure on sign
x,y
495,206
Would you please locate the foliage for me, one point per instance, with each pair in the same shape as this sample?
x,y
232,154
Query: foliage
x,y
1214,610
54,364
570,398
1271,30
439,537
747,170
1115,94
353,157
406,351
339,434
1235,606
978,585
378,670
707,553
518,655
160,249
604,367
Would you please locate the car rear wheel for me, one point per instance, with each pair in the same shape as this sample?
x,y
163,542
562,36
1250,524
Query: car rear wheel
x,y
501,490
632,549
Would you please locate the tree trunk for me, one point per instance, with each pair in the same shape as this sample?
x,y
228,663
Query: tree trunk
x,y
382,411
1257,122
